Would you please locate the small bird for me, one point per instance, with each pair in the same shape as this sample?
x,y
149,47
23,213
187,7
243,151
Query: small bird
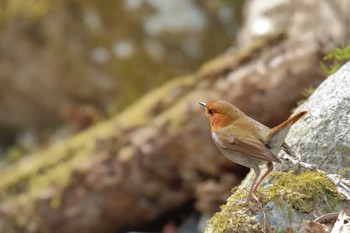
x,y
246,141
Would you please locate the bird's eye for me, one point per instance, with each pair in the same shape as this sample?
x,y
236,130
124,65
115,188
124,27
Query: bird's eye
x,y
210,112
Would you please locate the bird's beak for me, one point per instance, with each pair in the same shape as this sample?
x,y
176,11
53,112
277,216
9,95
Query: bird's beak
x,y
203,105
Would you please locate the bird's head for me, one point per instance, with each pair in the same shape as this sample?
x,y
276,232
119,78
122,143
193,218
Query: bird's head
x,y
220,113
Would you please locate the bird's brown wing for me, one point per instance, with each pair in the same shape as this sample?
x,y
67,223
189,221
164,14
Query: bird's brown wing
x,y
246,145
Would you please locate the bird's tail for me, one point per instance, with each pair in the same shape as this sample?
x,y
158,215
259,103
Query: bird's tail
x,y
279,133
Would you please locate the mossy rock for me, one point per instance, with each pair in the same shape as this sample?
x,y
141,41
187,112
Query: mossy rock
x,y
290,198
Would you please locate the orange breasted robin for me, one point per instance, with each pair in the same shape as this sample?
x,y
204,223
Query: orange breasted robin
x,y
246,141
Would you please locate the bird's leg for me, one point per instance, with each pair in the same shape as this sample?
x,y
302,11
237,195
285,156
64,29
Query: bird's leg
x,y
257,174
269,169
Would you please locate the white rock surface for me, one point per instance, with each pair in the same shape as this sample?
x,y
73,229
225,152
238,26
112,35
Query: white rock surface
x,y
322,137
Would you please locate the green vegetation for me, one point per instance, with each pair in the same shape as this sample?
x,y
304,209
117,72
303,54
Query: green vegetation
x,y
31,9
14,153
48,171
303,192
234,216
84,143
43,174
335,58
331,63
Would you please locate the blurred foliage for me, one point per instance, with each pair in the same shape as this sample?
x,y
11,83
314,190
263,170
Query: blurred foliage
x,y
74,45
50,169
14,153
332,62
306,93
30,9
100,53
334,59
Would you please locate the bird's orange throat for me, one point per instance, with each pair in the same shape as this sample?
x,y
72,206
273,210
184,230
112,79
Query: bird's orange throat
x,y
218,121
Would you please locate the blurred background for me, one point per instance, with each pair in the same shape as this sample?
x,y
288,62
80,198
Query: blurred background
x,y
65,65
100,130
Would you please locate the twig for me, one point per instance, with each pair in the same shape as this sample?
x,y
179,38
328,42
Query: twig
x,y
341,184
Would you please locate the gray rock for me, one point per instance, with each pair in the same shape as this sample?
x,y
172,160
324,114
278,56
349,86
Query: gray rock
x,y
280,216
322,137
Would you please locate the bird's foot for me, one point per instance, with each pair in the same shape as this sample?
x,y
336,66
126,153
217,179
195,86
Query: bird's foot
x,y
242,202
259,196
256,192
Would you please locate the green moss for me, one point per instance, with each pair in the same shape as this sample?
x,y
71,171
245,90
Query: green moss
x,y
41,163
14,153
53,165
343,171
234,216
45,173
334,59
229,61
32,9
55,202
304,191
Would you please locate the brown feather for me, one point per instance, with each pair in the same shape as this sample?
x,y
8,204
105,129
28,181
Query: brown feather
x,y
248,145
277,134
